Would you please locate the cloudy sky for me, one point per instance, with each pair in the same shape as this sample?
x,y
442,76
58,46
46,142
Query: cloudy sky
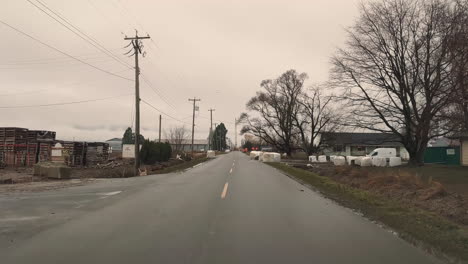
x,y
218,50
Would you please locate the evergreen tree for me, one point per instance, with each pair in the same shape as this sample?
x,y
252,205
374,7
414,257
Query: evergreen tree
x,y
218,139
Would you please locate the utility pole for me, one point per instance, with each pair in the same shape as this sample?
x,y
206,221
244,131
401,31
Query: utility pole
x,y
211,127
215,138
195,100
235,133
137,46
159,129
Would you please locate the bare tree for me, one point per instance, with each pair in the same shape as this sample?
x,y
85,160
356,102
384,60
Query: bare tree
x,y
458,113
271,110
177,137
395,70
314,116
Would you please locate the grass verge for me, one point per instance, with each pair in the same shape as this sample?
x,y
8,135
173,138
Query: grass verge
x,y
182,166
427,230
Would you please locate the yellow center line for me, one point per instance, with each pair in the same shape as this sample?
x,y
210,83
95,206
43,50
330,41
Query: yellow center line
x,y
224,193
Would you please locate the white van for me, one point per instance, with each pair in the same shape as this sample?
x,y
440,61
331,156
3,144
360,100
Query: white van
x,y
383,153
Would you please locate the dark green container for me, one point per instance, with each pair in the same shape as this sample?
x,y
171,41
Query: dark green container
x,y
442,155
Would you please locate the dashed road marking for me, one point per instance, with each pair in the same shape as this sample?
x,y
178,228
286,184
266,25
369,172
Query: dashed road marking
x,y
24,218
224,193
110,193
230,171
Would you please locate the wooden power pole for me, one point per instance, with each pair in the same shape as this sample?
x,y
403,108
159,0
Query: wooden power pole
x,y
194,100
159,129
211,127
137,46
235,133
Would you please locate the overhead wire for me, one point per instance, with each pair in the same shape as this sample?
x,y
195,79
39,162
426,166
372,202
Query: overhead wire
x,y
64,53
99,11
158,92
64,103
48,89
155,108
100,47
77,31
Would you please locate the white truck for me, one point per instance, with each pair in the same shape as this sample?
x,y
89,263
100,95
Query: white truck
x,y
383,153
382,157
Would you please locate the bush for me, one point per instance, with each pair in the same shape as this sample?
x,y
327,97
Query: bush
x,y
152,152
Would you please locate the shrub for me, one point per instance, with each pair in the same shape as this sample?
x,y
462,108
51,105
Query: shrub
x,y
152,152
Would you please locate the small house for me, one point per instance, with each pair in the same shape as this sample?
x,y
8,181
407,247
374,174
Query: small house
x,y
359,144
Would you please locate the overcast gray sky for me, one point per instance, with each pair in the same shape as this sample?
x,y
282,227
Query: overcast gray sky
x,y
218,51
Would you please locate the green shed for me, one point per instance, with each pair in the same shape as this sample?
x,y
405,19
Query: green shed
x,y
442,155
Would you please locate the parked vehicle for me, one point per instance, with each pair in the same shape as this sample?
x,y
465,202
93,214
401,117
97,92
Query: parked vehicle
x,y
383,153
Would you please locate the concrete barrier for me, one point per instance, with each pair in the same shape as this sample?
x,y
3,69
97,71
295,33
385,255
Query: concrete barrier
x,y
210,154
357,161
366,162
271,157
254,154
312,158
260,156
339,161
350,159
379,162
322,159
52,170
394,162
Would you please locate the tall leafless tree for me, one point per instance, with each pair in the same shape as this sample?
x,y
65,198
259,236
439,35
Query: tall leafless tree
x,y
271,110
314,116
177,137
458,113
395,70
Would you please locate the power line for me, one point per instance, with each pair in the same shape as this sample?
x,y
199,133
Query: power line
x,y
105,16
53,59
83,35
52,88
176,119
62,52
65,103
60,64
94,43
158,92
226,122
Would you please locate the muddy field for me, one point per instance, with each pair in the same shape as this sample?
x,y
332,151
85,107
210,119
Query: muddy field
x,y
401,184
21,179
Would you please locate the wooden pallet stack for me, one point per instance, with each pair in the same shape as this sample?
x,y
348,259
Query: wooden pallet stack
x,y
22,147
14,146
96,153
74,153
2,146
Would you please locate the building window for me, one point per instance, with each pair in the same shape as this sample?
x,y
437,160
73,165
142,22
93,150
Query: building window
x,y
360,148
338,148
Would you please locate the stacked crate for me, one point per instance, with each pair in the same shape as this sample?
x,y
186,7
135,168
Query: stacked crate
x,y
22,147
44,140
2,146
97,153
74,153
15,146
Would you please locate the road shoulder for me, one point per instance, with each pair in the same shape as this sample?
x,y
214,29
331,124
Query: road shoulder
x,y
434,234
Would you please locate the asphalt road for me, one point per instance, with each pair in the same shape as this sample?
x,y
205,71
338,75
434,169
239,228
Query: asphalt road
x,y
229,210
